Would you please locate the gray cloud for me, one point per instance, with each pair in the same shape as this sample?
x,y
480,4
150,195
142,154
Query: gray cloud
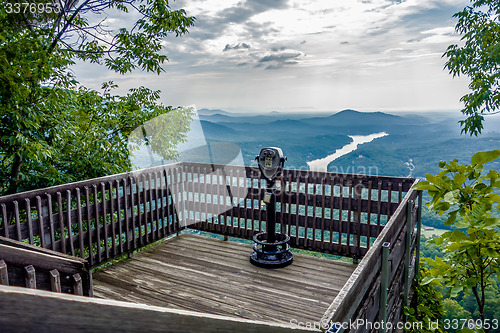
x,y
276,49
279,60
246,9
259,30
236,46
209,27
280,57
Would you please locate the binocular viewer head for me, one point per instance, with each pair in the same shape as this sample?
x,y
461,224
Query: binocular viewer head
x,y
270,161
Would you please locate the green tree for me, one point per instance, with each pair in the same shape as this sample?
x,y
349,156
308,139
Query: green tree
x,y
478,58
472,252
426,307
54,130
452,310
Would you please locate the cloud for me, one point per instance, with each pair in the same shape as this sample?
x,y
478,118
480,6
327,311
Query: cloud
x,y
245,10
276,48
236,46
279,60
351,45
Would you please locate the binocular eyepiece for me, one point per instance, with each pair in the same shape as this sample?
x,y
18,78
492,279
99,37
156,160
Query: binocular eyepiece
x,y
270,161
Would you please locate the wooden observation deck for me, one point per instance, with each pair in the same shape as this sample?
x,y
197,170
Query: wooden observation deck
x,y
54,238
193,273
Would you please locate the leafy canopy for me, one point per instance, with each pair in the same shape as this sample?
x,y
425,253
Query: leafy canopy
x,y
479,59
471,200
54,130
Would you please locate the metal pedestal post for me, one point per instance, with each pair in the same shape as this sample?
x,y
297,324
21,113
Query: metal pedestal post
x,y
271,249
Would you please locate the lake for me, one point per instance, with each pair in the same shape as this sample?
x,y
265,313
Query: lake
x,y
322,163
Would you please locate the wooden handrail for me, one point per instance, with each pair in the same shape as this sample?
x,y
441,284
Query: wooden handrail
x,y
97,219
364,284
33,267
102,218
44,311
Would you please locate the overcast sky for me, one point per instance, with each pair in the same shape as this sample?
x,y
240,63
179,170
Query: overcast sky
x,y
297,56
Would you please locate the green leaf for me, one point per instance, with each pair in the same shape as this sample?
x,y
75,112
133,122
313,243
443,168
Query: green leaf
x,y
452,217
457,236
455,290
461,225
493,197
481,158
441,207
421,186
435,180
459,179
452,197
428,279
491,222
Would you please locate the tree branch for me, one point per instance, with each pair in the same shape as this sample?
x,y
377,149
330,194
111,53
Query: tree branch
x,y
68,22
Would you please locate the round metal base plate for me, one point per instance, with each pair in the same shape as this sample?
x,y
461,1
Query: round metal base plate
x,y
270,260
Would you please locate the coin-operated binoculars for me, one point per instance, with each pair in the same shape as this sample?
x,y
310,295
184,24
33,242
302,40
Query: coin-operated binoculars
x,y
271,249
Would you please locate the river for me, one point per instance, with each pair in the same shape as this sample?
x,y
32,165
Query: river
x,y
322,163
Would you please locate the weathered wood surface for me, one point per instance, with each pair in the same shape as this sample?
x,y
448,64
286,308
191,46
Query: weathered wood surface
x,y
27,310
80,184
29,266
97,219
102,218
214,276
360,296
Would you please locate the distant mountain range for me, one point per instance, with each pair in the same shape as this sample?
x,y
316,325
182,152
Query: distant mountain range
x,y
209,112
424,138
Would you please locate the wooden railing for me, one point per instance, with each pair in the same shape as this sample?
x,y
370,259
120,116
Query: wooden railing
x,y
103,218
25,265
363,217
374,295
332,213
26,310
98,219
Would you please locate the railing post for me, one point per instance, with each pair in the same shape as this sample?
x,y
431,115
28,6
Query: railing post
x,y
419,229
4,274
384,285
409,223
357,191
179,202
186,214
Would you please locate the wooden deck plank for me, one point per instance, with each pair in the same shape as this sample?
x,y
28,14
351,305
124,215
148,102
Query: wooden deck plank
x,y
207,272
202,300
287,278
232,261
319,265
252,295
319,268
213,276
